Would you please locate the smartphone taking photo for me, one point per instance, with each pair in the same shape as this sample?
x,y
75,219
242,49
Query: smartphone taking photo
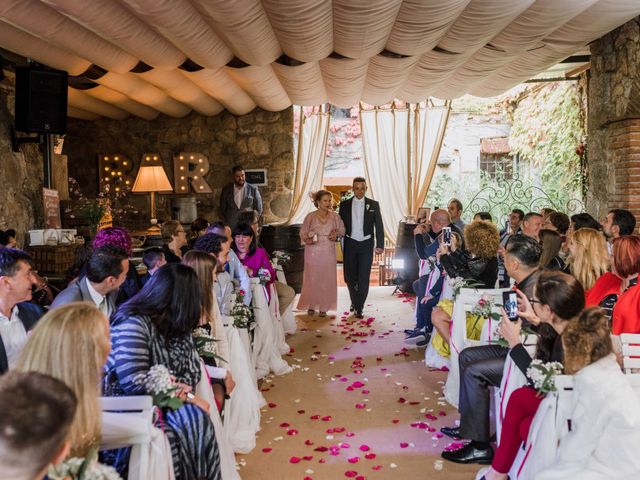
x,y
510,304
446,235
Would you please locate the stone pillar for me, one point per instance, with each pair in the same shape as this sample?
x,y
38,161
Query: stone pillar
x,y
614,121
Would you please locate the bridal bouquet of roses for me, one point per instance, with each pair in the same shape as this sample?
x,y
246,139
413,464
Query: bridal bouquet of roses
x,y
264,276
161,385
78,468
543,375
242,314
206,344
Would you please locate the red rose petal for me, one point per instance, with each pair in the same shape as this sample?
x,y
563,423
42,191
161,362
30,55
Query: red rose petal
x,y
360,405
339,429
301,412
266,450
350,474
326,418
308,458
308,443
353,459
292,431
404,445
395,420
294,460
322,460
284,425
320,449
376,467
364,448
350,434
365,392
272,405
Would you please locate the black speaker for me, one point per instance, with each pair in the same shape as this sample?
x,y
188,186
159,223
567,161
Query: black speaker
x,y
41,100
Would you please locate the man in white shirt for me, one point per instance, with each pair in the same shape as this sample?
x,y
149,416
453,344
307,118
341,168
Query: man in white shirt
x,y
106,270
239,196
363,230
17,315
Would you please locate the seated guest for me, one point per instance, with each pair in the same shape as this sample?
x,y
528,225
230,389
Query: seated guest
x,y
531,225
205,266
551,242
154,328
588,256
618,222
583,220
198,228
121,238
34,434
71,344
233,266
557,221
511,228
106,270
481,367
626,265
253,258
252,218
426,244
153,259
225,289
174,238
8,238
479,264
17,315
558,299
604,439
483,216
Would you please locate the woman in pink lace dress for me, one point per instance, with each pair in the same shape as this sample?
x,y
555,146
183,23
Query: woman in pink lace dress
x,y
319,233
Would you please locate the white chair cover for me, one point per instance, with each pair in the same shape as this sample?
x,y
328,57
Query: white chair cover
x,y
512,379
266,355
225,451
466,300
128,421
548,427
288,318
242,410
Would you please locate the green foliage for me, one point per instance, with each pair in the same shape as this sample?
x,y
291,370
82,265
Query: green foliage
x,y
547,129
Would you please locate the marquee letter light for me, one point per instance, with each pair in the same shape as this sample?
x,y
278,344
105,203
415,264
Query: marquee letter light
x,y
115,169
190,168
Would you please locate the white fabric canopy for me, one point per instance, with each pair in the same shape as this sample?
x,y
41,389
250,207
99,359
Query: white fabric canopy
x,y
309,169
401,147
175,56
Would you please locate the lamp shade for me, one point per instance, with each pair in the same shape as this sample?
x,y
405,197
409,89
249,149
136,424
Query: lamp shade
x,y
151,179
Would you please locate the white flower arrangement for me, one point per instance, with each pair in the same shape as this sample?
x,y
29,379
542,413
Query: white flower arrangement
x,y
280,258
160,384
242,314
458,283
76,468
264,276
543,374
206,344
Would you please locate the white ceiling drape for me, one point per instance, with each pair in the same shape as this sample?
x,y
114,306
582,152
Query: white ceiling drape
x,y
175,56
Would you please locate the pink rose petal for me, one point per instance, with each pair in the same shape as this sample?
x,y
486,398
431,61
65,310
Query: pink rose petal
x,y
360,405
370,456
404,445
353,459
376,467
364,448
350,434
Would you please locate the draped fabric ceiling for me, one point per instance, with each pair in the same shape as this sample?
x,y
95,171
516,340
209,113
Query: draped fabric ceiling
x,y
145,57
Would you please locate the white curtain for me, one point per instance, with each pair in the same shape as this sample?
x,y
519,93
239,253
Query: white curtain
x,y
309,168
401,148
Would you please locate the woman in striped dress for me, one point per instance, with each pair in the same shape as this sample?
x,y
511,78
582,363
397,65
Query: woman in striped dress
x,y
154,328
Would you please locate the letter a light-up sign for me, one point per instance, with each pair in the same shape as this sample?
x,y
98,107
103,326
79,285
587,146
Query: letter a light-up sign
x,y
190,168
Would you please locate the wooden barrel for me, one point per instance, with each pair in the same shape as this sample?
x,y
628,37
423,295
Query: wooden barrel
x,y
405,250
286,238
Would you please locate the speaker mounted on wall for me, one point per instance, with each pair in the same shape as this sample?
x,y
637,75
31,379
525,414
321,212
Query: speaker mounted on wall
x,y
41,100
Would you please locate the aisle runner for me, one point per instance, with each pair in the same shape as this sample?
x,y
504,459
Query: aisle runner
x,y
358,405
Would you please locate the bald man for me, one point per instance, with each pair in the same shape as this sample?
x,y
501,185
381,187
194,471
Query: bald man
x,y
426,243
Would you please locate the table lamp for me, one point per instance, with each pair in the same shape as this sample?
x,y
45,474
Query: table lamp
x,y
152,179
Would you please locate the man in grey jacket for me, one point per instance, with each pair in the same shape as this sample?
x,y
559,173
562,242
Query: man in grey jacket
x,y
106,270
239,196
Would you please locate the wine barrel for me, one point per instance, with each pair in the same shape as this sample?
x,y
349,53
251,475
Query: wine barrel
x,y
287,239
405,250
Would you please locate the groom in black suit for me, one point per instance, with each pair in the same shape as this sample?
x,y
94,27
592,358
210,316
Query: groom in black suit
x,y
361,216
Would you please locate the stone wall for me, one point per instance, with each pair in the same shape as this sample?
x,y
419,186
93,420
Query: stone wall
x,y
614,121
20,172
259,139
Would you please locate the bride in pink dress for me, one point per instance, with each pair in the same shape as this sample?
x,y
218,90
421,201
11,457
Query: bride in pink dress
x,y
319,233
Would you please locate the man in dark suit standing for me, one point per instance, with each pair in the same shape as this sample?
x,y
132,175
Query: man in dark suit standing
x,y
17,315
363,225
239,196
